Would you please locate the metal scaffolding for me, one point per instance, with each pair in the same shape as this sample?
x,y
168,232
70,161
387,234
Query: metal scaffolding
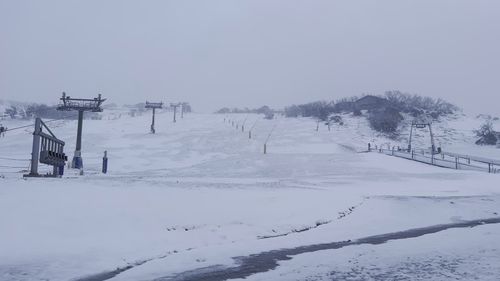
x,y
81,105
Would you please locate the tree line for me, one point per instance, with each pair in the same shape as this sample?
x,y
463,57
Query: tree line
x,y
385,112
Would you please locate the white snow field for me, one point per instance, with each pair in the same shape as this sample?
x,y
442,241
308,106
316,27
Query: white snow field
x,y
181,204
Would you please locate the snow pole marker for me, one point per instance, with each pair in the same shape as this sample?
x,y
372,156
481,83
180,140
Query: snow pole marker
x,y
251,128
267,139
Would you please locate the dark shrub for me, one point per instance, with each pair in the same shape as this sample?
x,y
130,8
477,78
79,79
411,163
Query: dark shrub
x,y
292,111
336,119
385,120
224,110
486,134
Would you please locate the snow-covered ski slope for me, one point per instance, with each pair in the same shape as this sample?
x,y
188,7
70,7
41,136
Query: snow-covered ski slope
x,y
453,133
200,192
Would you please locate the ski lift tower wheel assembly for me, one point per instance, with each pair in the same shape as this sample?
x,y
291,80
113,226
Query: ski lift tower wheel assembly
x,y
81,105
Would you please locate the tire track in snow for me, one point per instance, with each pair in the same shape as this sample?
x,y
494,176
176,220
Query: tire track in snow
x,y
266,261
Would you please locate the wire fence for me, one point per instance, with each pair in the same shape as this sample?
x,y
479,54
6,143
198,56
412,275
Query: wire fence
x,y
446,160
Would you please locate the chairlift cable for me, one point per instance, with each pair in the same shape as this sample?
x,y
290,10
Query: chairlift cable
x,y
13,167
13,159
31,125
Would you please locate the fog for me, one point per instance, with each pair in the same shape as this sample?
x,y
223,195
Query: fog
x,y
250,53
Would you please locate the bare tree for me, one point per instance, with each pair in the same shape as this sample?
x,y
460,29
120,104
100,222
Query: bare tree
x,y
486,134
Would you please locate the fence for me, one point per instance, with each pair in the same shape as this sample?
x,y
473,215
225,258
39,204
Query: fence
x,y
447,160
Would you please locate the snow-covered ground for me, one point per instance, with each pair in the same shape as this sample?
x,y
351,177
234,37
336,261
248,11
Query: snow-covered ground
x,y
453,133
200,192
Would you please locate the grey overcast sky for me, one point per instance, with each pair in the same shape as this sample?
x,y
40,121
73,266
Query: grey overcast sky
x,y
250,52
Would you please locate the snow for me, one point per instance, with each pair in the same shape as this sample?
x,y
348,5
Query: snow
x,y
199,192
412,259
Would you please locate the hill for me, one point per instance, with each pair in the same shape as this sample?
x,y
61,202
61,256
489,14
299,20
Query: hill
x,y
199,192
